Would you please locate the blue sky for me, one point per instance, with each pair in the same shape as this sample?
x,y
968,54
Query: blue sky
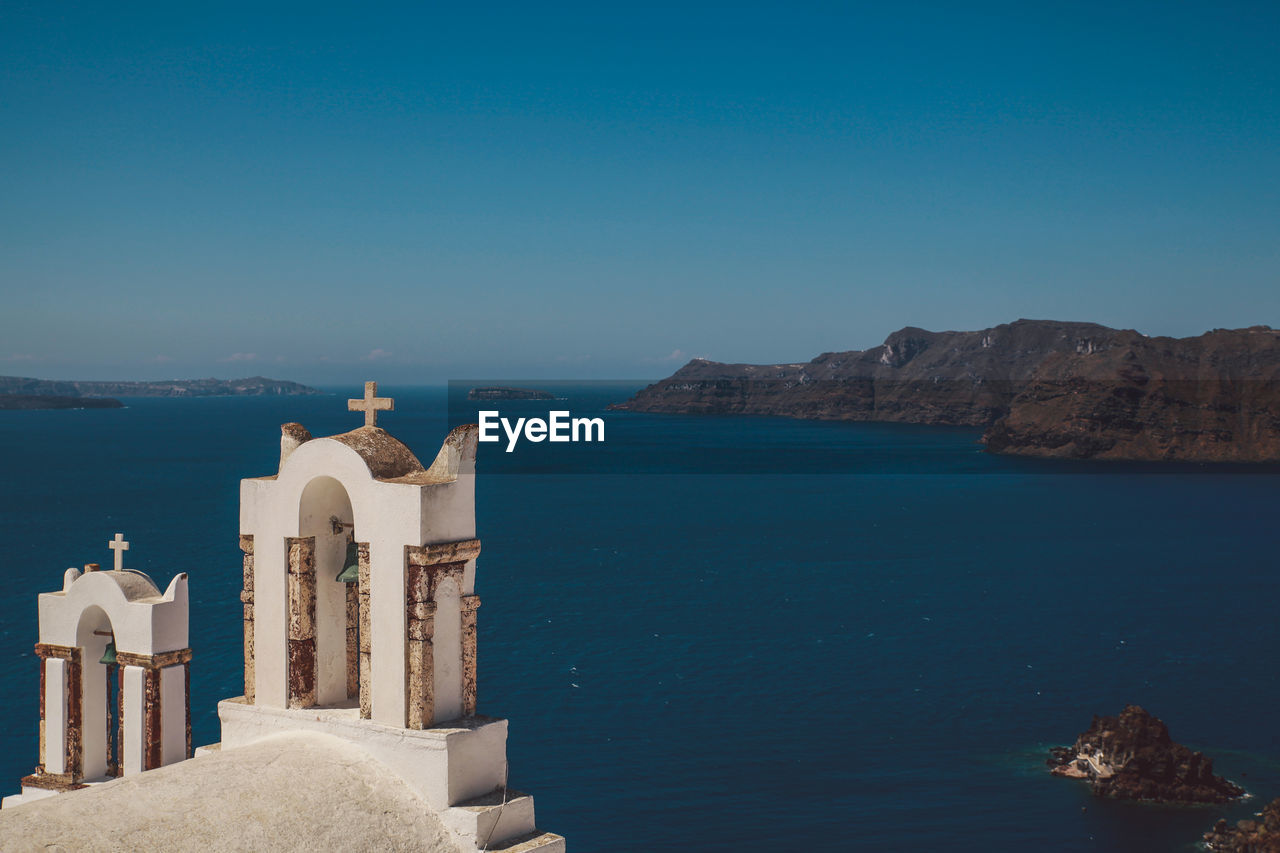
x,y
417,192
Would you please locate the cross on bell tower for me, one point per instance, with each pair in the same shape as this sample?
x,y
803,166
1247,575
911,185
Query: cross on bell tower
x,y
119,546
371,404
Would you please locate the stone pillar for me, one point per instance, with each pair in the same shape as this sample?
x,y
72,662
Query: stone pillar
x,y
353,639
186,700
153,720
469,605
425,567
246,598
420,662
301,664
156,729
113,759
364,631
43,726
60,755
119,739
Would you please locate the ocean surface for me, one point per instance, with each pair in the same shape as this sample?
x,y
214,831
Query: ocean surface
x,y
746,634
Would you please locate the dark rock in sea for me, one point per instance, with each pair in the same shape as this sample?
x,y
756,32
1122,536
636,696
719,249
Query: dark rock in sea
x,y
47,401
1132,757
1247,836
252,386
1042,388
504,393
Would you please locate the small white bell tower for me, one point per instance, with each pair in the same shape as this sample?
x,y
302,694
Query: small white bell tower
x,y
115,671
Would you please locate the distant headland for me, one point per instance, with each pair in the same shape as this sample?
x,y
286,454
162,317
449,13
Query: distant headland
x,y
17,392
51,401
502,392
1039,387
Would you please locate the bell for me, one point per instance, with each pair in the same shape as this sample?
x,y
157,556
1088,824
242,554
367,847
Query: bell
x,y
351,565
109,656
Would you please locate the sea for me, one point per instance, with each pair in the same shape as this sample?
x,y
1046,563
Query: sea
x,y
739,633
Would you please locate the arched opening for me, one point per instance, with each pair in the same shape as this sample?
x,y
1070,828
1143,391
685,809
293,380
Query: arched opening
x,y
99,696
325,516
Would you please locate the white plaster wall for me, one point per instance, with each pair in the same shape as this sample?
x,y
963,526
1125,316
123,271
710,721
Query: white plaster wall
x,y
444,766
447,652
143,627
173,714
55,715
134,720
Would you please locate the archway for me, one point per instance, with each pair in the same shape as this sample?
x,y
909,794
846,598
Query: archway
x,y
100,704
327,521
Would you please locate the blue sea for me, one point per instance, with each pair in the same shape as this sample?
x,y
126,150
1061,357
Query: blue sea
x,y
747,634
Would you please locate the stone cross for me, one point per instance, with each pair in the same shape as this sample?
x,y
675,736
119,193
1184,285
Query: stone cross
x,y
119,546
371,404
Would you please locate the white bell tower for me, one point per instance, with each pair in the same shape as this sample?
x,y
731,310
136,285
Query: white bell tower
x,y
115,671
360,616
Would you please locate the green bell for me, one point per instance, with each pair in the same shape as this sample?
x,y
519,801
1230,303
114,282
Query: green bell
x,y
351,571
109,656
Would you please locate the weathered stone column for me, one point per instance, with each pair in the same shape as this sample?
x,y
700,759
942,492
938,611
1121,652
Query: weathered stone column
x,y
470,603
420,663
364,631
148,679
425,567
113,759
153,721
60,711
302,622
353,639
246,597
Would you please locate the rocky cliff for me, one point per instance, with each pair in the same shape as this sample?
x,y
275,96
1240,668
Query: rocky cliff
x,y
1247,836
252,386
1042,388
1215,397
1132,757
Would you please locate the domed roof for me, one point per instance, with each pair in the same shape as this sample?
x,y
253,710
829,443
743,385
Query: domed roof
x,y
386,456
134,584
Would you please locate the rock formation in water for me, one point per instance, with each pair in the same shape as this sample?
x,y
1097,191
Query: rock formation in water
x,y
1132,757
1042,388
49,401
251,386
498,392
1247,836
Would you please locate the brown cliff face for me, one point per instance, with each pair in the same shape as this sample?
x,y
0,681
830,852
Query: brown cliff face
x,y
1132,757
1215,397
915,376
1043,388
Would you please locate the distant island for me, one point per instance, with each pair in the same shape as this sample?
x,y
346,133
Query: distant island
x,y
17,392
498,392
251,387
50,401
1132,757
1038,387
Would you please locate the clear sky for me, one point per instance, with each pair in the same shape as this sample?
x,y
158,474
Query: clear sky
x,y
326,192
